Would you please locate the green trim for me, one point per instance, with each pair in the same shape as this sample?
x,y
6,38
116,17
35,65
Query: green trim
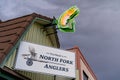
x,y
42,19
55,22
18,42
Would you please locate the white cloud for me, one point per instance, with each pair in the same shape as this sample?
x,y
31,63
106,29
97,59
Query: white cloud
x,y
7,8
42,4
13,8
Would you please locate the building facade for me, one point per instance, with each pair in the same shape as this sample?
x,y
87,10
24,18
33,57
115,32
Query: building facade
x,y
84,71
32,28
38,29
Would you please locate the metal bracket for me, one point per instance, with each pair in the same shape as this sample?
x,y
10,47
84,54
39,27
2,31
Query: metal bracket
x,y
51,33
53,23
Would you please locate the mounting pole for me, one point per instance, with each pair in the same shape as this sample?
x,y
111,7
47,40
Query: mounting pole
x,y
54,77
73,79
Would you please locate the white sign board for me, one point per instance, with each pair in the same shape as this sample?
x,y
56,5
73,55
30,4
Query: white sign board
x,y
38,58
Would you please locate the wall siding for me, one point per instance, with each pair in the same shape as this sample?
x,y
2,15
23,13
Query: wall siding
x,y
37,35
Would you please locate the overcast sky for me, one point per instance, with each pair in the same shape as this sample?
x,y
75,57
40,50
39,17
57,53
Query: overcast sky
x,y
97,29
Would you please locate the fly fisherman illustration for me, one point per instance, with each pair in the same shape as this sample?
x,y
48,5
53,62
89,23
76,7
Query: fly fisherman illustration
x,y
30,57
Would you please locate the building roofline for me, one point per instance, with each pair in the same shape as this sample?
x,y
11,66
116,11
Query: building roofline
x,y
32,14
6,52
84,61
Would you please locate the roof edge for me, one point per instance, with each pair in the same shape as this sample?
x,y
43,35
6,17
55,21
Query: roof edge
x,y
84,60
32,14
16,44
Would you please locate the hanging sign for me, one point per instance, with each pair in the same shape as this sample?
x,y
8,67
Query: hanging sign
x,y
37,58
66,22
